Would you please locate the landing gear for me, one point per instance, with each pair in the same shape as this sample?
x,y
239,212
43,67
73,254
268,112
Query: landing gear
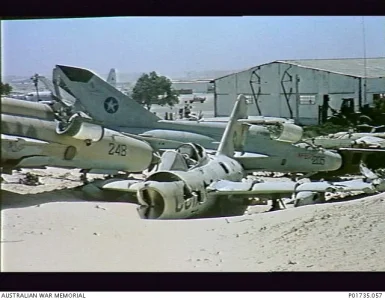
x,y
83,176
277,204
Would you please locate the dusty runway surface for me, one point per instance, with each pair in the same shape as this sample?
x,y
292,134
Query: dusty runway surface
x,y
51,228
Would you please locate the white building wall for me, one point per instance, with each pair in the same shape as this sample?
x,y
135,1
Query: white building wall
x,y
374,86
197,87
272,100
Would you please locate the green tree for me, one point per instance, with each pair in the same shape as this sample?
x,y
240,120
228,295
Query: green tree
x,y
5,89
153,89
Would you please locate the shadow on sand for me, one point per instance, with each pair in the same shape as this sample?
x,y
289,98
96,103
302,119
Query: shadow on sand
x,y
16,200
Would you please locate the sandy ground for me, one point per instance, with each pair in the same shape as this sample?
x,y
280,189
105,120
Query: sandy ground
x,y
51,228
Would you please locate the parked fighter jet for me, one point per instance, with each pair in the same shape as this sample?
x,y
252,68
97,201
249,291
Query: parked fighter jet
x,y
259,149
350,139
189,183
355,147
34,136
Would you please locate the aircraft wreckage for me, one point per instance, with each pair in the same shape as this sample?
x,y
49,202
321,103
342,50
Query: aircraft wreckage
x,y
277,149
188,181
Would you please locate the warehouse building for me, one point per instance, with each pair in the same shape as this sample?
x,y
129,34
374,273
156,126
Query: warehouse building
x,y
192,86
298,89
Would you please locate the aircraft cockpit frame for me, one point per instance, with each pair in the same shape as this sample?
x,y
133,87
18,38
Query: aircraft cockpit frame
x,y
194,154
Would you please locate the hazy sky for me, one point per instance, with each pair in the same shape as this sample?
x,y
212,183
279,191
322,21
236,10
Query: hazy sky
x,y
172,45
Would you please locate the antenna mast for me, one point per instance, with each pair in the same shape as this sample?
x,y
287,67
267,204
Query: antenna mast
x,y
364,40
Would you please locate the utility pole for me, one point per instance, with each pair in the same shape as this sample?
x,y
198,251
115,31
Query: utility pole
x,y
365,75
297,100
35,80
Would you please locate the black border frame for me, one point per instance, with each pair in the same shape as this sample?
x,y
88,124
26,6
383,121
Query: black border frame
x,y
88,8
275,281
195,281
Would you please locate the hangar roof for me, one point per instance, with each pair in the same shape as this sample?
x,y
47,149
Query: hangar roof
x,y
375,67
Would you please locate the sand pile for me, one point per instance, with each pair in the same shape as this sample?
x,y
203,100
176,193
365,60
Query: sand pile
x,y
50,227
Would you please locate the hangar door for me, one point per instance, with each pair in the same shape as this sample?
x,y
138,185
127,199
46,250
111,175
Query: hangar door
x,y
308,109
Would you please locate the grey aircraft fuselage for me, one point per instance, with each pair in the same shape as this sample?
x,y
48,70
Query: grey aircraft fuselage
x,y
190,183
80,145
107,105
262,153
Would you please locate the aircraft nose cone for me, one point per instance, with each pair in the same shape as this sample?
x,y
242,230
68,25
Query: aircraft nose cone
x,y
335,160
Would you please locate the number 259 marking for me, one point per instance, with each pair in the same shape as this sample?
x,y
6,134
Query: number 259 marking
x,y
117,149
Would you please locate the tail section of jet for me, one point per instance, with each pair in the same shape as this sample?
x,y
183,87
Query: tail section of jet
x,y
235,131
111,79
104,102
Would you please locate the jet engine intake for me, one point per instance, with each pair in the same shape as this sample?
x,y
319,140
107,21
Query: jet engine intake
x,y
80,129
164,200
286,132
152,203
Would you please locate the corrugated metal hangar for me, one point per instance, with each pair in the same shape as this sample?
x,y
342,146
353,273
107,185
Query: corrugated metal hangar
x,y
298,88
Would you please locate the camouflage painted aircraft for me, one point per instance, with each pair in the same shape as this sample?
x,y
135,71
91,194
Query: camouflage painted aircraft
x,y
34,136
258,149
190,183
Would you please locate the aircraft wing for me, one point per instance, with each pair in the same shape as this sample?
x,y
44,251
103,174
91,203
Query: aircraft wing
x,y
163,144
250,187
255,188
362,150
370,141
255,120
119,185
345,141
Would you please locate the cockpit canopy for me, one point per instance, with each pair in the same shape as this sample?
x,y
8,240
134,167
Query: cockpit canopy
x,y
192,151
185,157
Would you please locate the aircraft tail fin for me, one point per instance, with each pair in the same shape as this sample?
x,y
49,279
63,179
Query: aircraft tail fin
x,y
235,132
102,101
111,79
